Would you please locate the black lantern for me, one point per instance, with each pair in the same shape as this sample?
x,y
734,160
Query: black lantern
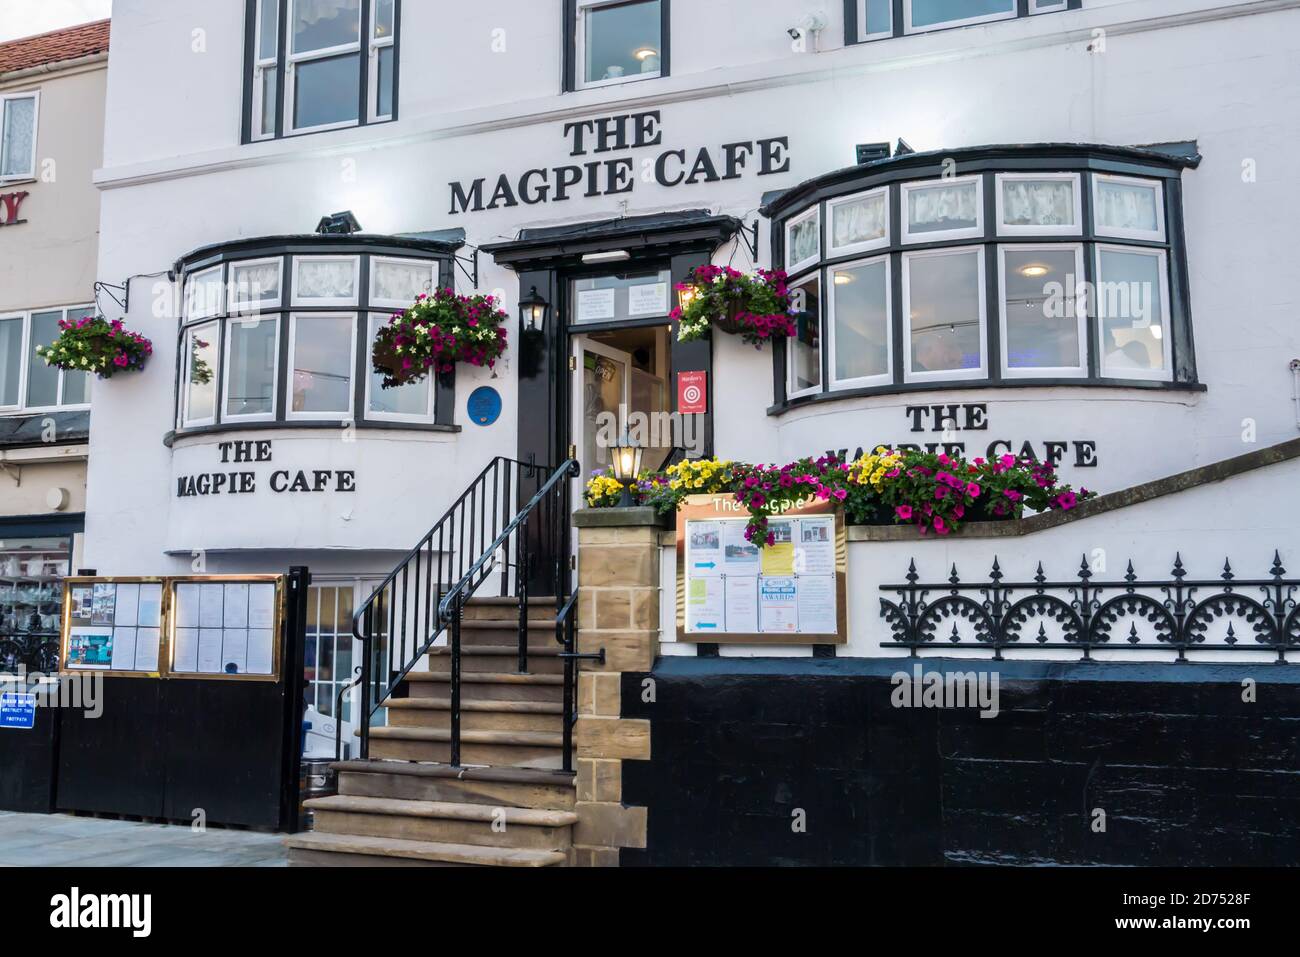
x,y
532,311
627,467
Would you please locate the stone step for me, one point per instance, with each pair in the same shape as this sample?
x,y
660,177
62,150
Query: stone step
x,y
507,609
487,686
475,715
542,660
512,787
316,849
443,822
541,633
487,748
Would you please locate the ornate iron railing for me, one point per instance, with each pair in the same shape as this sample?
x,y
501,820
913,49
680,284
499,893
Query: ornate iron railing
x,y
1174,614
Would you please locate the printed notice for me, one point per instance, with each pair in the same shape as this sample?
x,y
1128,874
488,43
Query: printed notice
x,y
704,605
778,610
185,655
236,614
128,603
102,610
123,647
150,607
742,605
146,649
815,547
209,651
261,651
739,556
595,305
778,557
187,606
234,652
261,606
210,598
704,549
648,300
817,608
90,647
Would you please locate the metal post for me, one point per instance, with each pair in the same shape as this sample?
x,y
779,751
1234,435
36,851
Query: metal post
x,y
292,678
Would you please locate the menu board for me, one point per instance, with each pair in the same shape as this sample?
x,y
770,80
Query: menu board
x,y
114,626
224,628
729,590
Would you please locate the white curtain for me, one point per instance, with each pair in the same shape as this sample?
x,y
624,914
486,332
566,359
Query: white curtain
x,y
942,207
18,135
257,282
803,240
326,279
1038,203
1121,206
860,221
402,282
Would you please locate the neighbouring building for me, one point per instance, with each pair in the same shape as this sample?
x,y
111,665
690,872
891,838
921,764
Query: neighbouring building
x,y
929,173
52,89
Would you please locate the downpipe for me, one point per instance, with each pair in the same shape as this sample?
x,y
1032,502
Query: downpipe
x,y
1295,389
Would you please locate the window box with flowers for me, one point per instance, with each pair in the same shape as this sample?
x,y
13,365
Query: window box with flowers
x,y
435,333
757,308
98,345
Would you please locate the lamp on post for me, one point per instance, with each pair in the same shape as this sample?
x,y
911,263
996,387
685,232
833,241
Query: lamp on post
x,y
627,467
686,295
532,311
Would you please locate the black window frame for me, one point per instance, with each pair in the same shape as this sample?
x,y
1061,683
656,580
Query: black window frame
x,y
282,130
853,32
570,82
286,249
987,163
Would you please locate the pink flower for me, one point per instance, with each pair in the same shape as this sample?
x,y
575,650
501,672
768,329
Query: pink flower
x,y
904,512
939,526
973,490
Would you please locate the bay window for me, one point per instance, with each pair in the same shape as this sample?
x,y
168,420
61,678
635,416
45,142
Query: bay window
x,y
875,19
18,136
26,382
317,65
615,41
1036,265
322,349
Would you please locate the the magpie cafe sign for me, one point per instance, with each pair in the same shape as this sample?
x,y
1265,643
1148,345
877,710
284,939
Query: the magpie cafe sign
x,y
597,171
10,204
248,466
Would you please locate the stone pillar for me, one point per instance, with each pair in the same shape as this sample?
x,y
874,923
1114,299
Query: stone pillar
x,y
618,610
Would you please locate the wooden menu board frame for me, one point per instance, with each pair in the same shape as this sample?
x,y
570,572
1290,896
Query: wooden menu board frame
x,y
723,507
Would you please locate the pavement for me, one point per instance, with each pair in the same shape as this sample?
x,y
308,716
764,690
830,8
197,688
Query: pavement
x,y
60,840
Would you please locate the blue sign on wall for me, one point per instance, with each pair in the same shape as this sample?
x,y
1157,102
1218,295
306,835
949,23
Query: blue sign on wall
x,y
17,710
484,406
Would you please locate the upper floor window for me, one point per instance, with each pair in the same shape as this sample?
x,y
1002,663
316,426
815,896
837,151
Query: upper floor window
x,y
26,382
878,19
320,65
616,41
18,136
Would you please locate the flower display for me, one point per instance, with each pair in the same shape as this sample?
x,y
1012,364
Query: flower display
x,y
98,345
603,490
758,308
435,333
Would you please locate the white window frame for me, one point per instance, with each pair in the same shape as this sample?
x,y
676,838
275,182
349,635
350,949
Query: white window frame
x,y
238,308
790,391
186,421
861,382
27,353
24,326
35,97
947,375
1166,338
1112,232
968,21
394,303
374,322
863,35
333,416
290,81
580,80
813,213
260,66
935,236
860,247
1006,229
1047,6
1080,314
228,331
372,67
192,280
354,300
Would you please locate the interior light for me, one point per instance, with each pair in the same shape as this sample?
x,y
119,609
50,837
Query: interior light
x,y
843,278
1157,332
645,52
1033,271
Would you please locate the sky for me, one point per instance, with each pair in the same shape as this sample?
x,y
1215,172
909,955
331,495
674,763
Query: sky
x,y
23,18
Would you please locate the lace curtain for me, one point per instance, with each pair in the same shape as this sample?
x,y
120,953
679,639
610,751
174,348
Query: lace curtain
x,y
935,208
860,221
803,241
402,282
1038,203
259,282
326,279
18,133
1125,206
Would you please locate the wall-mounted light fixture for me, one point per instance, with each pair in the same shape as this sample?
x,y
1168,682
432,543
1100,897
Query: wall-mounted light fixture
x,y
613,256
338,224
532,311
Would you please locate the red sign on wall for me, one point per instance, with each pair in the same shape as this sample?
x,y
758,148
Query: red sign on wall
x,y
692,392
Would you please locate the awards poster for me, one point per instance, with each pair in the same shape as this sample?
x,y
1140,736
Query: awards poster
x,y
114,626
735,588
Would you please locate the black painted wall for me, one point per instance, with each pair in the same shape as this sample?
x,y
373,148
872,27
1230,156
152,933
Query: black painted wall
x,y
1186,772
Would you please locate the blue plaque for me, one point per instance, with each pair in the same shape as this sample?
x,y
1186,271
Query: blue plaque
x,y
484,405
17,710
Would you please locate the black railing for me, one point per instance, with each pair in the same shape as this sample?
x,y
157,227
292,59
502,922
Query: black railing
x,y
485,536
1174,613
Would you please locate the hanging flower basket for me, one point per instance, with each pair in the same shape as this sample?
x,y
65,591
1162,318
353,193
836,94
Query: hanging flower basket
x,y
435,333
94,344
757,308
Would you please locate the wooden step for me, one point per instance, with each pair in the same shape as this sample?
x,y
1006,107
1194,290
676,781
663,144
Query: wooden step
x,y
514,787
542,660
443,822
489,748
487,686
475,715
316,849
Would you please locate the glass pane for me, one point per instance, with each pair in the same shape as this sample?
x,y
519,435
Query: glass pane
x,y
944,300
861,321
327,91
1038,202
402,282
1042,327
270,97
803,241
410,399
1131,310
603,389
250,367
19,133
201,384
384,105
253,283
805,346
203,294
326,279
322,364
42,380
932,209
76,385
929,13
860,221
880,17
268,29
1127,206
622,296
31,596
11,359
622,40
383,19
321,24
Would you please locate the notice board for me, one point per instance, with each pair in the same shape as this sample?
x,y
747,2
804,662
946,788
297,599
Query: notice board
x,y
789,592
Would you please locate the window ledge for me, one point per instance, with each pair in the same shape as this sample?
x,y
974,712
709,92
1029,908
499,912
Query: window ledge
x,y
170,439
